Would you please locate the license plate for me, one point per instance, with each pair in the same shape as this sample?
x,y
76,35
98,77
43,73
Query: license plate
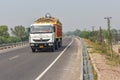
x,y
41,46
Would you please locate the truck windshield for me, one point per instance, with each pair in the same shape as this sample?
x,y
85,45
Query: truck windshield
x,y
41,29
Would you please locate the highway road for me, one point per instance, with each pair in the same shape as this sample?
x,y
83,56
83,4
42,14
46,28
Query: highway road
x,y
22,64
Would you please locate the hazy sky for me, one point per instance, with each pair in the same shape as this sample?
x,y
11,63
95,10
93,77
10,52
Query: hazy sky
x,y
80,14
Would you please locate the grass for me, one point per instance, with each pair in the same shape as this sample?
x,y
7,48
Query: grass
x,y
94,73
104,50
114,61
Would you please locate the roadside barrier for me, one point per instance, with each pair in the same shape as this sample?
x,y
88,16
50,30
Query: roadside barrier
x,y
86,67
12,45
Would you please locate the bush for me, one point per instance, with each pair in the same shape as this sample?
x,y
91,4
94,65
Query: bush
x,y
3,40
13,39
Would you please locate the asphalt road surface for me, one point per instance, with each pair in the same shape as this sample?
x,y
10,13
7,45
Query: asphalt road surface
x,y
22,64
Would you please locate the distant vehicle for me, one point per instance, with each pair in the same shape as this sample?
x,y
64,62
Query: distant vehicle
x,y
46,32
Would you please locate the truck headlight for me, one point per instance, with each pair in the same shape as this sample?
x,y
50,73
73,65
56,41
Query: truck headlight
x,y
50,44
31,44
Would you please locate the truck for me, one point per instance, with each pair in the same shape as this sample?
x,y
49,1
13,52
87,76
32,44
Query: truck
x,y
45,33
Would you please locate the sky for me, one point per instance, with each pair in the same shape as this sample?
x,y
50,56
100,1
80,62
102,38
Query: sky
x,y
74,14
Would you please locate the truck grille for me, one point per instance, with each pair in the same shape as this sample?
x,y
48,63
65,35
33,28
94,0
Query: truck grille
x,y
41,40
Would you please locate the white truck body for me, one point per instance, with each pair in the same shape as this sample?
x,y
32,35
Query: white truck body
x,y
41,39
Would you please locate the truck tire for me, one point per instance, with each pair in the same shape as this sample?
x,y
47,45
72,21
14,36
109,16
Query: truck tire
x,y
53,48
33,50
60,44
56,45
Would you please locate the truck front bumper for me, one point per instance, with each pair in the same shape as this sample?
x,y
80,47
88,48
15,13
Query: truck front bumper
x,y
41,45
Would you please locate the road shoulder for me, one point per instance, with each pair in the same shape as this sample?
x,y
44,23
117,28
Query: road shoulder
x,y
72,70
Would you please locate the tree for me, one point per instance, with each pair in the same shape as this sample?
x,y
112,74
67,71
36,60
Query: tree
x,y
3,40
77,32
104,33
3,34
4,31
85,34
19,31
13,39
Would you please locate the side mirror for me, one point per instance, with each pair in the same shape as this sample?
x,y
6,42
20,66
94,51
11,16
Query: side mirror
x,y
28,30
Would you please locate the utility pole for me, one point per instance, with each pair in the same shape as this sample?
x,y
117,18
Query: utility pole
x,y
92,30
93,34
109,35
100,35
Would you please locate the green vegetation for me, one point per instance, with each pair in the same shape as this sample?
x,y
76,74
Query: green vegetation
x,y
92,35
5,37
20,32
94,73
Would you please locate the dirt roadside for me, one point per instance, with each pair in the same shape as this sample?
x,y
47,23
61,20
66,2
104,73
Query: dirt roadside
x,y
104,71
116,48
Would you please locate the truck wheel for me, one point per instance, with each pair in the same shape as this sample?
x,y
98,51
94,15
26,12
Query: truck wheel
x,y
52,49
56,46
33,50
60,44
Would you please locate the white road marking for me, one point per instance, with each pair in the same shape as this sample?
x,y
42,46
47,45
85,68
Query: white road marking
x,y
14,57
43,73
